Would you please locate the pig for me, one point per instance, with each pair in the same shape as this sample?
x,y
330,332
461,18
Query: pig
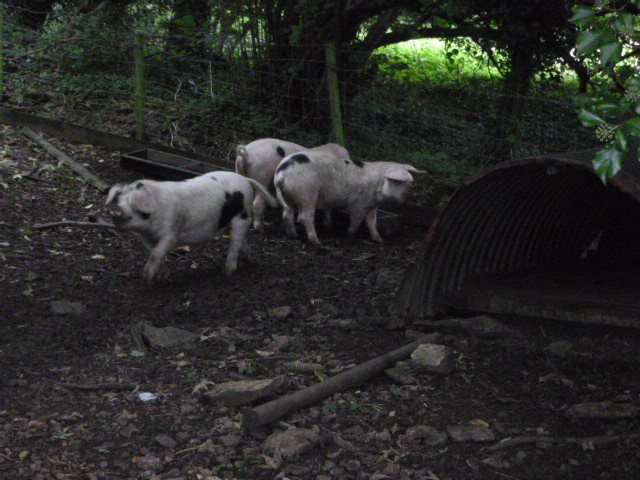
x,y
311,180
166,214
259,160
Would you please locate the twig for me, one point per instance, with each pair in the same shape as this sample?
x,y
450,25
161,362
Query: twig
x,y
70,223
511,442
99,386
63,157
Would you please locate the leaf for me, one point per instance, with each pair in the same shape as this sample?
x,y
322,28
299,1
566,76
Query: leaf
x,y
625,23
621,141
632,126
582,15
610,54
590,119
607,162
587,43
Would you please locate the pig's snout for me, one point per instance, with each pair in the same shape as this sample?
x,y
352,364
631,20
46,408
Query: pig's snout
x,y
117,215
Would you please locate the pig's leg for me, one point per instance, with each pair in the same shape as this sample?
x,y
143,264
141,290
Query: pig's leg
x,y
288,215
307,218
239,229
357,215
156,255
372,224
259,206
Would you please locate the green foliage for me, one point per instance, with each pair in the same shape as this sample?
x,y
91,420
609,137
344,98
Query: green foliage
x,y
609,38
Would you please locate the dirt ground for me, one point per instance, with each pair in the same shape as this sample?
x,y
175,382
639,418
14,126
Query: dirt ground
x,y
520,385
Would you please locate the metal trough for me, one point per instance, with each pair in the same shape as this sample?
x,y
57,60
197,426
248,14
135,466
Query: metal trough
x,y
165,165
539,236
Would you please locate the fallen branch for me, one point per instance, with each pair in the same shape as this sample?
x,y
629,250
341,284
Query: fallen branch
x,y
63,157
99,386
275,409
70,223
512,442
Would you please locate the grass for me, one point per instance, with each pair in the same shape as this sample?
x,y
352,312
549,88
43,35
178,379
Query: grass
x,y
436,62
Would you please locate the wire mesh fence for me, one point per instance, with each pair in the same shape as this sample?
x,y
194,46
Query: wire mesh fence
x,y
209,94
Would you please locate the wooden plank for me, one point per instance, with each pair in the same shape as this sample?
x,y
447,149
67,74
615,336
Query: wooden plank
x,y
90,136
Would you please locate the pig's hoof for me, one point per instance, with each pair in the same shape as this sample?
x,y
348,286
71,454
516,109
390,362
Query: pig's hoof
x,y
230,269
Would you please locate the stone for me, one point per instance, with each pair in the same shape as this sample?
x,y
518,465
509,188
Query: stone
x,y
239,393
402,373
165,440
149,463
61,307
433,358
425,435
290,442
471,433
280,313
167,337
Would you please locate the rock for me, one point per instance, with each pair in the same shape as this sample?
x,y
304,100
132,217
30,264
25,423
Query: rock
x,y
149,463
484,326
344,324
167,337
425,435
471,433
290,442
165,440
60,307
230,440
280,313
560,348
240,392
402,373
434,358
603,410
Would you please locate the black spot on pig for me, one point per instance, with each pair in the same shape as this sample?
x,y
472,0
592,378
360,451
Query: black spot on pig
x,y
139,185
297,158
233,205
280,151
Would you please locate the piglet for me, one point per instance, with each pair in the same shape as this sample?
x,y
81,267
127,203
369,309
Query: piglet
x,y
310,180
259,160
166,214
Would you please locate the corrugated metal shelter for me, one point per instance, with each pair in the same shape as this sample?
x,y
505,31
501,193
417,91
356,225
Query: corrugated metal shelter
x,y
540,236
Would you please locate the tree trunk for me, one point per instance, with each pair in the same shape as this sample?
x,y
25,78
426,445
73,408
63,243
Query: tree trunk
x,y
504,134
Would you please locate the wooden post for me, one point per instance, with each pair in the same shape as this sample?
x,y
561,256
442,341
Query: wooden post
x,y
334,93
1,54
138,56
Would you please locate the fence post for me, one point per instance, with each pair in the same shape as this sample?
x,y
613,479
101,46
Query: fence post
x,y
138,57
334,93
1,53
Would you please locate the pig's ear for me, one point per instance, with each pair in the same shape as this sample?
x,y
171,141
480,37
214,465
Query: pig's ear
x,y
113,193
143,198
343,153
397,173
413,169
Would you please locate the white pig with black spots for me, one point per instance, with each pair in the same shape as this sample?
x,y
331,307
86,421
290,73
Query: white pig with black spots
x,y
166,214
259,160
309,180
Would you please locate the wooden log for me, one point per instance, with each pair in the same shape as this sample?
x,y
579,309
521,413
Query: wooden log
x,y
275,409
63,157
